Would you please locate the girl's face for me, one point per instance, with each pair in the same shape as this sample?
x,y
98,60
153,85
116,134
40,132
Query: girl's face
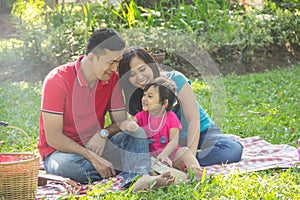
x,y
151,101
140,73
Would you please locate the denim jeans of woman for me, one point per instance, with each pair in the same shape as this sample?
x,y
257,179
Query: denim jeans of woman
x,y
217,148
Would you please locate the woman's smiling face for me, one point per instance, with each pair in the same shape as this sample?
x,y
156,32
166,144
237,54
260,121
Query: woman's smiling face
x,y
140,73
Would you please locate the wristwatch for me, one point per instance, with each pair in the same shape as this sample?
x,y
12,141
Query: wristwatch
x,y
104,133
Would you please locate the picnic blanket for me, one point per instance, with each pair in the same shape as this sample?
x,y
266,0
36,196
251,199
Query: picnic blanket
x,y
258,155
56,189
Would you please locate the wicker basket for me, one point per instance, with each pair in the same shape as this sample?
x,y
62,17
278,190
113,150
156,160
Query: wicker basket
x,y
18,179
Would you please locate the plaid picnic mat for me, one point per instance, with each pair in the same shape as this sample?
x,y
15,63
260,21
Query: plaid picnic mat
x,y
258,155
54,189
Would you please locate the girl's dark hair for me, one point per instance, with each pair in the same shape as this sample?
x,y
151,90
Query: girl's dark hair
x,y
167,91
104,38
132,94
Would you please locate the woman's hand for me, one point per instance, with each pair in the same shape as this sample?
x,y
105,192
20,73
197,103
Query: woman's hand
x,y
102,166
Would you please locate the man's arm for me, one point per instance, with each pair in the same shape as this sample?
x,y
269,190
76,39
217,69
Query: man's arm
x,y
53,124
117,117
113,129
96,143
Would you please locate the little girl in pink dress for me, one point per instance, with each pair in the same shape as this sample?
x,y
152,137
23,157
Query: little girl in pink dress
x,y
162,126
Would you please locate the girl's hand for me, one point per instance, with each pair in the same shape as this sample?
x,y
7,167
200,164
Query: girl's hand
x,y
129,125
165,159
132,126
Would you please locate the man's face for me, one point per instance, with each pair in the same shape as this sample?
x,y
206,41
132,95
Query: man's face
x,y
105,65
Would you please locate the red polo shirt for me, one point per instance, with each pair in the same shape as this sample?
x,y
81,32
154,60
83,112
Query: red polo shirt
x,y
66,92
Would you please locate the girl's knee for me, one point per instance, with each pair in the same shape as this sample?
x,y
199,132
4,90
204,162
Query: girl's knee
x,y
183,154
183,150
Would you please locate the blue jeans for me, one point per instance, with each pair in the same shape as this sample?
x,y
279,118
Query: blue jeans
x,y
214,147
217,148
128,154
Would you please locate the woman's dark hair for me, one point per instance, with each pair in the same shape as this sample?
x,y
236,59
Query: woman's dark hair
x,y
167,91
132,94
104,38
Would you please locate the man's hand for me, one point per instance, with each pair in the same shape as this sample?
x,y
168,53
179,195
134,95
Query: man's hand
x,y
96,144
102,166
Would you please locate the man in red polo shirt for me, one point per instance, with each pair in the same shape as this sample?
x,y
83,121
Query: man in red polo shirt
x,y
75,99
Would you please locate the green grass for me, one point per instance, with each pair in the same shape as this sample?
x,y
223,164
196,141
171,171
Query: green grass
x,y
19,106
265,104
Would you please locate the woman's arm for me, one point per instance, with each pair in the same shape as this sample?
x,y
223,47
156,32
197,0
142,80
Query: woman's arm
x,y
190,110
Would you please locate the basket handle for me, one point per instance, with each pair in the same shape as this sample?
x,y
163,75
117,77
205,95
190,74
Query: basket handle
x,y
5,124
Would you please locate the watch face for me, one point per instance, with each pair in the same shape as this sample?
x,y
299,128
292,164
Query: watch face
x,y
104,133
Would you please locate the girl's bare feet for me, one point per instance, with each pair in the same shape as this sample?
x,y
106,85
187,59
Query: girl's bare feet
x,y
146,181
197,170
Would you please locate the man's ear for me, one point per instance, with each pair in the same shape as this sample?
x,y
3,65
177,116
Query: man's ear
x,y
91,57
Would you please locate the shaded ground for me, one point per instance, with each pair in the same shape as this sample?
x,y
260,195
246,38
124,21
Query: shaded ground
x,y
228,60
265,58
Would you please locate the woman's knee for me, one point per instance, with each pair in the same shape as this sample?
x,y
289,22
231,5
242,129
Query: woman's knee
x,y
226,150
237,151
231,149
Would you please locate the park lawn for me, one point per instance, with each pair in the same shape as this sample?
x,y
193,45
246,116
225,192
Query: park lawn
x,y
265,104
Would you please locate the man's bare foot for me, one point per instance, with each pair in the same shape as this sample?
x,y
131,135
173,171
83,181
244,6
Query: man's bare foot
x,y
148,182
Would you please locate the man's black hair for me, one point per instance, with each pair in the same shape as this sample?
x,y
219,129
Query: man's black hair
x,y
104,38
